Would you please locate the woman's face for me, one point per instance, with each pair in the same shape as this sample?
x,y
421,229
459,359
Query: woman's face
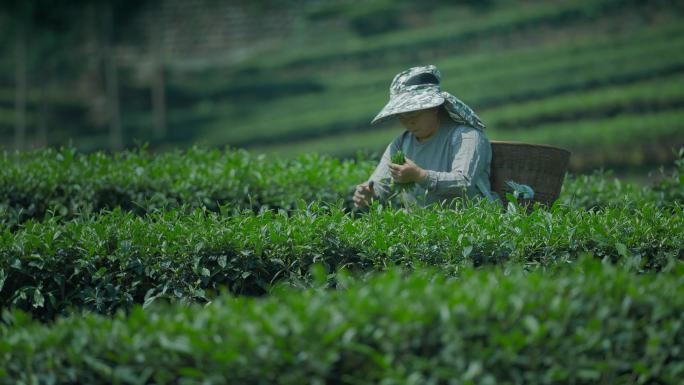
x,y
422,123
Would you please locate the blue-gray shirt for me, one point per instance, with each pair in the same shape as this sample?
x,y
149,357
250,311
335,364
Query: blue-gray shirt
x,y
457,160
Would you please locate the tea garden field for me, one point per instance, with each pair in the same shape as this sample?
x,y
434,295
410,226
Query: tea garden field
x,y
222,266
204,265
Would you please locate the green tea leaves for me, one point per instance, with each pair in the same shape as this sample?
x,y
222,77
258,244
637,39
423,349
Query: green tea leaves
x,y
398,157
572,326
38,299
124,256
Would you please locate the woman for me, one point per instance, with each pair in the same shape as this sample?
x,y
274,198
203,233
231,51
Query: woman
x,y
447,152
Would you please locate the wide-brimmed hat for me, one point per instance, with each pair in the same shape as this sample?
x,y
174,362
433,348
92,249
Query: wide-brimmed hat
x,y
418,88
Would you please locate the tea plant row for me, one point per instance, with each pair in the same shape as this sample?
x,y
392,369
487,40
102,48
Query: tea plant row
x,y
498,82
584,137
118,259
443,35
588,324
649,95
69,184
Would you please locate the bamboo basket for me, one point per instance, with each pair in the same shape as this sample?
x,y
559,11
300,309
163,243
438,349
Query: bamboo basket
x,y
541,167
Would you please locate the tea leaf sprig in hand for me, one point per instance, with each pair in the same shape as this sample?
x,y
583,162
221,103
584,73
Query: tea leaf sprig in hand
x,y
399,158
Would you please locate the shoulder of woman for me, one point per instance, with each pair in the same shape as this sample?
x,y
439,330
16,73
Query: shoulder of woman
x,y
466,132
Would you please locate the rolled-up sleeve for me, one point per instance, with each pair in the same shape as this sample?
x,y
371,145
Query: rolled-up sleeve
x,y
472,153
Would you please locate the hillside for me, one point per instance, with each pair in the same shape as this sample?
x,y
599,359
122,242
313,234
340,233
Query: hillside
x,y
603,78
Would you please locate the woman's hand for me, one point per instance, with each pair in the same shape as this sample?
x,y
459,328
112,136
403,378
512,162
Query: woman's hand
x,y
363,195
407,172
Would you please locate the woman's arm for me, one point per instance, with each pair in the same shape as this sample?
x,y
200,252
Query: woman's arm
x,y
472,154
381,176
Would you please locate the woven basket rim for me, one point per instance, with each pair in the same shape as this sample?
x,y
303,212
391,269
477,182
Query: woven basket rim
x,y
525,144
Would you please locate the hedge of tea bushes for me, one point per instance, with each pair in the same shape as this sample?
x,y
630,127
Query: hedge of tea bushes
x,y
68,183
601,189
118,259
588,324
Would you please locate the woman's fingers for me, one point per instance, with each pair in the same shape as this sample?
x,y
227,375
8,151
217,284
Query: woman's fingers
x,y
407,172
361,199
362,194
363,189
357,200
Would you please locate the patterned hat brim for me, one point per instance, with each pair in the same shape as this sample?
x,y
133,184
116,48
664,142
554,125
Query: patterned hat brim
x,y
408,102
423,99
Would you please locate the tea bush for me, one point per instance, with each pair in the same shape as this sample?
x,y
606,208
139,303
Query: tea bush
x,y
587,324
68,184
117,259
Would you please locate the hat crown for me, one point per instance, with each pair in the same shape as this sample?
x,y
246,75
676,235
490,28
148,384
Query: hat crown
x,y
418,88
416,78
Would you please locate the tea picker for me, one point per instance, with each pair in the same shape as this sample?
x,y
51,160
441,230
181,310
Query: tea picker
x,y
446,152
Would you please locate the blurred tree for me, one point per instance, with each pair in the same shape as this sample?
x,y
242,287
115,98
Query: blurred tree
x,y
158,84
52,61
48,35
111,76
20,20
21,82
115,14
43,31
